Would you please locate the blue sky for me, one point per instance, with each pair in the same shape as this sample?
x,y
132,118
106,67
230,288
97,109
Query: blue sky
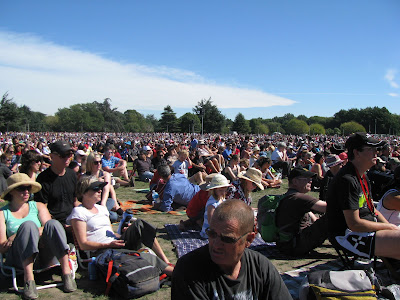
x,y
261,58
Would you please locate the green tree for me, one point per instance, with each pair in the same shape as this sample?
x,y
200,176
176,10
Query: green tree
x,y
113,119
257,126
10,118
213,120
317,129
134,121
351,127
296,126
152,122
168,121
189,123
240,125
275,127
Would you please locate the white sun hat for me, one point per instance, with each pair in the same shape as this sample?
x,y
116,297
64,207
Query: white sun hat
x,y
218,181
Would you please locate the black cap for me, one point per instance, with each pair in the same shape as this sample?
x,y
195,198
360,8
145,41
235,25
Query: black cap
x,y
96,184
360,139
60,147
300,172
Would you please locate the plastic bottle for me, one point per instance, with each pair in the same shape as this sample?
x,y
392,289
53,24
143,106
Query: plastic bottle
x,y
92,269
156,197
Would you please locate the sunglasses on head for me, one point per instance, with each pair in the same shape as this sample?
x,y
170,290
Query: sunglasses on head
x,y
23,188
225,239
96,162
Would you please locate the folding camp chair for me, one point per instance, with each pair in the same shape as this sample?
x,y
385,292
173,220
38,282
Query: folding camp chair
x,y
10,271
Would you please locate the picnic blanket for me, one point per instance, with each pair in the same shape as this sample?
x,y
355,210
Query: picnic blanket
x,y
187,241
143,207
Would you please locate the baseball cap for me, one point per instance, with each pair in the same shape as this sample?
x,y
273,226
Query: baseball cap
x,y
60,147
146,148
300,172
360,139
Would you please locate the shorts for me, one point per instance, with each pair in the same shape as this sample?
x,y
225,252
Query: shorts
x,y
359,243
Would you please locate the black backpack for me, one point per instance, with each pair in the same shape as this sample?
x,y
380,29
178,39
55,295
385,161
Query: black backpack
x,y
127,273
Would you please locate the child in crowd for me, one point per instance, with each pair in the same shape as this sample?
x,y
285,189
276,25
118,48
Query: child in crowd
x,y
183,163
217,190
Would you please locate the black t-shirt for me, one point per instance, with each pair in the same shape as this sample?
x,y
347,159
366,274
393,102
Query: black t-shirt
x,y
196,276
345,193
293,211
58,192
143,165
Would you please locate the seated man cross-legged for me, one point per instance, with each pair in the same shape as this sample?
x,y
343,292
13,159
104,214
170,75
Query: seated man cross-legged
x,y
300,231
225,268
353,220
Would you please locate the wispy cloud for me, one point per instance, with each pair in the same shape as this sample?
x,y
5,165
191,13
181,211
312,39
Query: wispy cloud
x,y
393,95
390,76
46,76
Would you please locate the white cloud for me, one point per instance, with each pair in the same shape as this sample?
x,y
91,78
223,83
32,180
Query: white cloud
x,y
393,95
390,77
46,76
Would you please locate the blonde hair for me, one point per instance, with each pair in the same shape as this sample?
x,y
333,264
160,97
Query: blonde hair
x,y
213,193
83,184
90,160
183,152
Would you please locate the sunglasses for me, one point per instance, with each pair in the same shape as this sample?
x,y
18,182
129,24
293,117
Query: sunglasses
x,y
96,162
65,155
38,161
23,188
94,189
225,239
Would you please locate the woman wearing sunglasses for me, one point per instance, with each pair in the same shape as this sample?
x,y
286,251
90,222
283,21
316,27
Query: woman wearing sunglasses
x,y
108,196
25,226
217,190
31,162
93,231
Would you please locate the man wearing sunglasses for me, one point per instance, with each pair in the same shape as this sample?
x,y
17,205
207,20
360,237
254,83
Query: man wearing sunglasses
x,y
226,268
300,231
58,183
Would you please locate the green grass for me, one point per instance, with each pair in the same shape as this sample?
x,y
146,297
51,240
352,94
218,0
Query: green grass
x,y
94,289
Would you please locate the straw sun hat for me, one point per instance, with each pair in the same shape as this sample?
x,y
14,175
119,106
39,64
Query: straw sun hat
x,y
19,179
253,175
218,181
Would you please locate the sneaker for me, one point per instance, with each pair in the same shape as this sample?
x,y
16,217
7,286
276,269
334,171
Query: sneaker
x,y
69,283
30,291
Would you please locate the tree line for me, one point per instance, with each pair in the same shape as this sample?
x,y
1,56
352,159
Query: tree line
x,y
204,118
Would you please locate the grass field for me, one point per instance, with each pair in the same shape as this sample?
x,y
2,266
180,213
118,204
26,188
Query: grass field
x,y
94,289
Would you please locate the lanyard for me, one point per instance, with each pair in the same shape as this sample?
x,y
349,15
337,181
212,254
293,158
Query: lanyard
x,y
367,195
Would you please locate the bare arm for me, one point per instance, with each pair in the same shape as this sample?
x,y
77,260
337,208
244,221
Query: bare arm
x,y
3,234
79,228
354,223
44,215
319,206
392,201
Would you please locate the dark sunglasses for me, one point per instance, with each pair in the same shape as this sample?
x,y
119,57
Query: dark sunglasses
x,y
94,189
23,188
65,155
96,162
38,161
225,239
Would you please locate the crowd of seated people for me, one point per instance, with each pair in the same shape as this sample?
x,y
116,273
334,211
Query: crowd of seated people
x,y
183,167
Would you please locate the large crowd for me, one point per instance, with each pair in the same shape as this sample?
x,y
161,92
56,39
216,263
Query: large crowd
x,y
60,185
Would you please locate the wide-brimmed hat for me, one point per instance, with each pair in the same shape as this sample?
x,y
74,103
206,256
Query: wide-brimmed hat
x,y
333,160
253,175
218,181
19,179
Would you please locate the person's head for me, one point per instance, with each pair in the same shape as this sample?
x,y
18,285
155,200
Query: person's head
x,y
160,154
89,188
234,159
164,171
380,164
20,186
393,163
319,158
251,179
183,155
31,160
218,186
244,163
142,154
300,179
263,163
334,163
281,146
61,153
231,231
363,148
6,158
80,156
93,162
109,151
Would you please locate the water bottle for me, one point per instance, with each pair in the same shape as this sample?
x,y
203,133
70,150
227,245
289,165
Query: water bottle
x,y
92,269
156,197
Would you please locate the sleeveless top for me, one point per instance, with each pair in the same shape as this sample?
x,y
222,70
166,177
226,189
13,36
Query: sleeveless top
x,y
391,215
12,223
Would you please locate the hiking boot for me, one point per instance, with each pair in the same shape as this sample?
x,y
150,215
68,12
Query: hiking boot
x,y
30,291
69,283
